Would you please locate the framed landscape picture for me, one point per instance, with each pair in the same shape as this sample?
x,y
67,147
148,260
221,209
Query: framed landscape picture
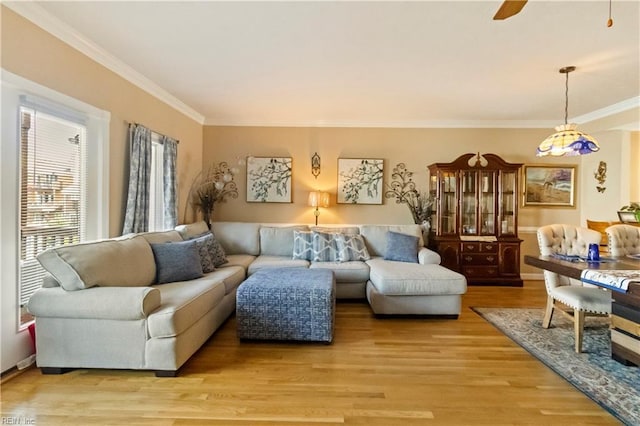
x,y
360,181
549,185
269,179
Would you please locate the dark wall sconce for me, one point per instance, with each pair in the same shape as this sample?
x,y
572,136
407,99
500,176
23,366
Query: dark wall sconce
x,y
315,165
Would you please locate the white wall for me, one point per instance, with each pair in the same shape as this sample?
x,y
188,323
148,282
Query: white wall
x,y
615,152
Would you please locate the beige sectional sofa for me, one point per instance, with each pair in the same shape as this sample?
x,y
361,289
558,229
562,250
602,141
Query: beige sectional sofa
x,y
100,307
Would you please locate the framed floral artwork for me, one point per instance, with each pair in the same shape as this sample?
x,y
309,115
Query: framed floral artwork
x,y
549,185
360,181
269,179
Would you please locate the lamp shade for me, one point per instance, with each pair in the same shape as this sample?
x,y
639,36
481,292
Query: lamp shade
x,y
318,199
567,140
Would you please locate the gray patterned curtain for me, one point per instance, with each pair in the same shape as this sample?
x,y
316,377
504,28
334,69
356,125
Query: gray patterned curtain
x,y
170,183
137,212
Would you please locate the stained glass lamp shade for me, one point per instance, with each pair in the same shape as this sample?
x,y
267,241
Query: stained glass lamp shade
x,y
567,140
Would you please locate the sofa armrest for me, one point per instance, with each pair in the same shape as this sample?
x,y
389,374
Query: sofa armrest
x,y
426,256
115,303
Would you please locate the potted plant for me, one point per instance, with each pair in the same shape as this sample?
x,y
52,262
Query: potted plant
x,y
630,213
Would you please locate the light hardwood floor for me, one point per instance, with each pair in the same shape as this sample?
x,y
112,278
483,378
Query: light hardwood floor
x,y
377,372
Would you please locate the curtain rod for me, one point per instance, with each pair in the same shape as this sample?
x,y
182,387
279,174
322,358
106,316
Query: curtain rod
x,y
152,131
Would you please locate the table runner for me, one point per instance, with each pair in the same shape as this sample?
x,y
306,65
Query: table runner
x,y
614,279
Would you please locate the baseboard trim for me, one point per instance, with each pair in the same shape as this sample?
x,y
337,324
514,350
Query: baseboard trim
x,y
533,277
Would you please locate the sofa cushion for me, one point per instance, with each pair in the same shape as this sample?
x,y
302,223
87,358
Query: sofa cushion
x,y
264,262
351,230
108,263
345,272
351,247
183,304
192,230
302,245
161,236
278,240
231,276
176,261
393,278
238,237
243,260
401,247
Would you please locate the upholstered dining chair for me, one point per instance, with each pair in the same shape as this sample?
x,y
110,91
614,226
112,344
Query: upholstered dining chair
x,y
565,294
623,239
601,226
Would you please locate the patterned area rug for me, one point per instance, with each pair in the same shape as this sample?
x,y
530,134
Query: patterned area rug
x,y
612,385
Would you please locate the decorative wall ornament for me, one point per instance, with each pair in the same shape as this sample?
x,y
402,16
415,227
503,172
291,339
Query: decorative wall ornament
x,y
360,181
269,179
403,189
315,165
601,176
215,185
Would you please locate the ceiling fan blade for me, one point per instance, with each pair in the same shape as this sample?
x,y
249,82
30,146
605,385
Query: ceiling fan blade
x,y
509,8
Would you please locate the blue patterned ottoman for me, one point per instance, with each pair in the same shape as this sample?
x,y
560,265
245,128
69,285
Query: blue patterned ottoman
x,y
287,304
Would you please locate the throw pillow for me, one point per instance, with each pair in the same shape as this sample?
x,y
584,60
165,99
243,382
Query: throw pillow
x,y
302,245
351,247
324,247
401,247
216,252
205,246
176,261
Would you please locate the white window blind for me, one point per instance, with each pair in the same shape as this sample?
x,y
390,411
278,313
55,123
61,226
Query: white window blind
x,y
52,185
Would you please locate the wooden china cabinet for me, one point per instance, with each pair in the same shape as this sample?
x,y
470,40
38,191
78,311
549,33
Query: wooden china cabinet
x,y
475,218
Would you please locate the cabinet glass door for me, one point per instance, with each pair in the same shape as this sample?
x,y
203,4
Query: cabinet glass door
x,y
508,200
448,197
433,194
469,202
487,203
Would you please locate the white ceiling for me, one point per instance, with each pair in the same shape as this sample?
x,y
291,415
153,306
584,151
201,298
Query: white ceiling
x,y
372,63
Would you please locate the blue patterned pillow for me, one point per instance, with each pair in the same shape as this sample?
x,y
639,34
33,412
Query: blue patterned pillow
x,y
178,261
205,247
216,252
402,247
351,247
324,246
302,245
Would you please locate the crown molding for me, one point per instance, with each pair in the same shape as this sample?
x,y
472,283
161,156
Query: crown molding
x,y
435,124
40,17
608,111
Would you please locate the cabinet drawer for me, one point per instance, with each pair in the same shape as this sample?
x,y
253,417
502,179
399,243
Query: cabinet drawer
x,y
489,247
471,247
480,247
479,259
480,271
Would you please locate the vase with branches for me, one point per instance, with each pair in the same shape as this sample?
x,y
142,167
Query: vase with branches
x,y
215,185
403,189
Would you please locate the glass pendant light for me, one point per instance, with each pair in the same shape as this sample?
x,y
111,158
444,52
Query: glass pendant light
x,y
567,140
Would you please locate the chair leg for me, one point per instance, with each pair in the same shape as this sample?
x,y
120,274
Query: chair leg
x,y
548,313
578,324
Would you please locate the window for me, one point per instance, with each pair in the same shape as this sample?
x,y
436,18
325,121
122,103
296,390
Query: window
x,y
52,188
54,183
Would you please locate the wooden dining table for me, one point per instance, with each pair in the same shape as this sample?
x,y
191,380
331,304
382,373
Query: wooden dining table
x,y
625,307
